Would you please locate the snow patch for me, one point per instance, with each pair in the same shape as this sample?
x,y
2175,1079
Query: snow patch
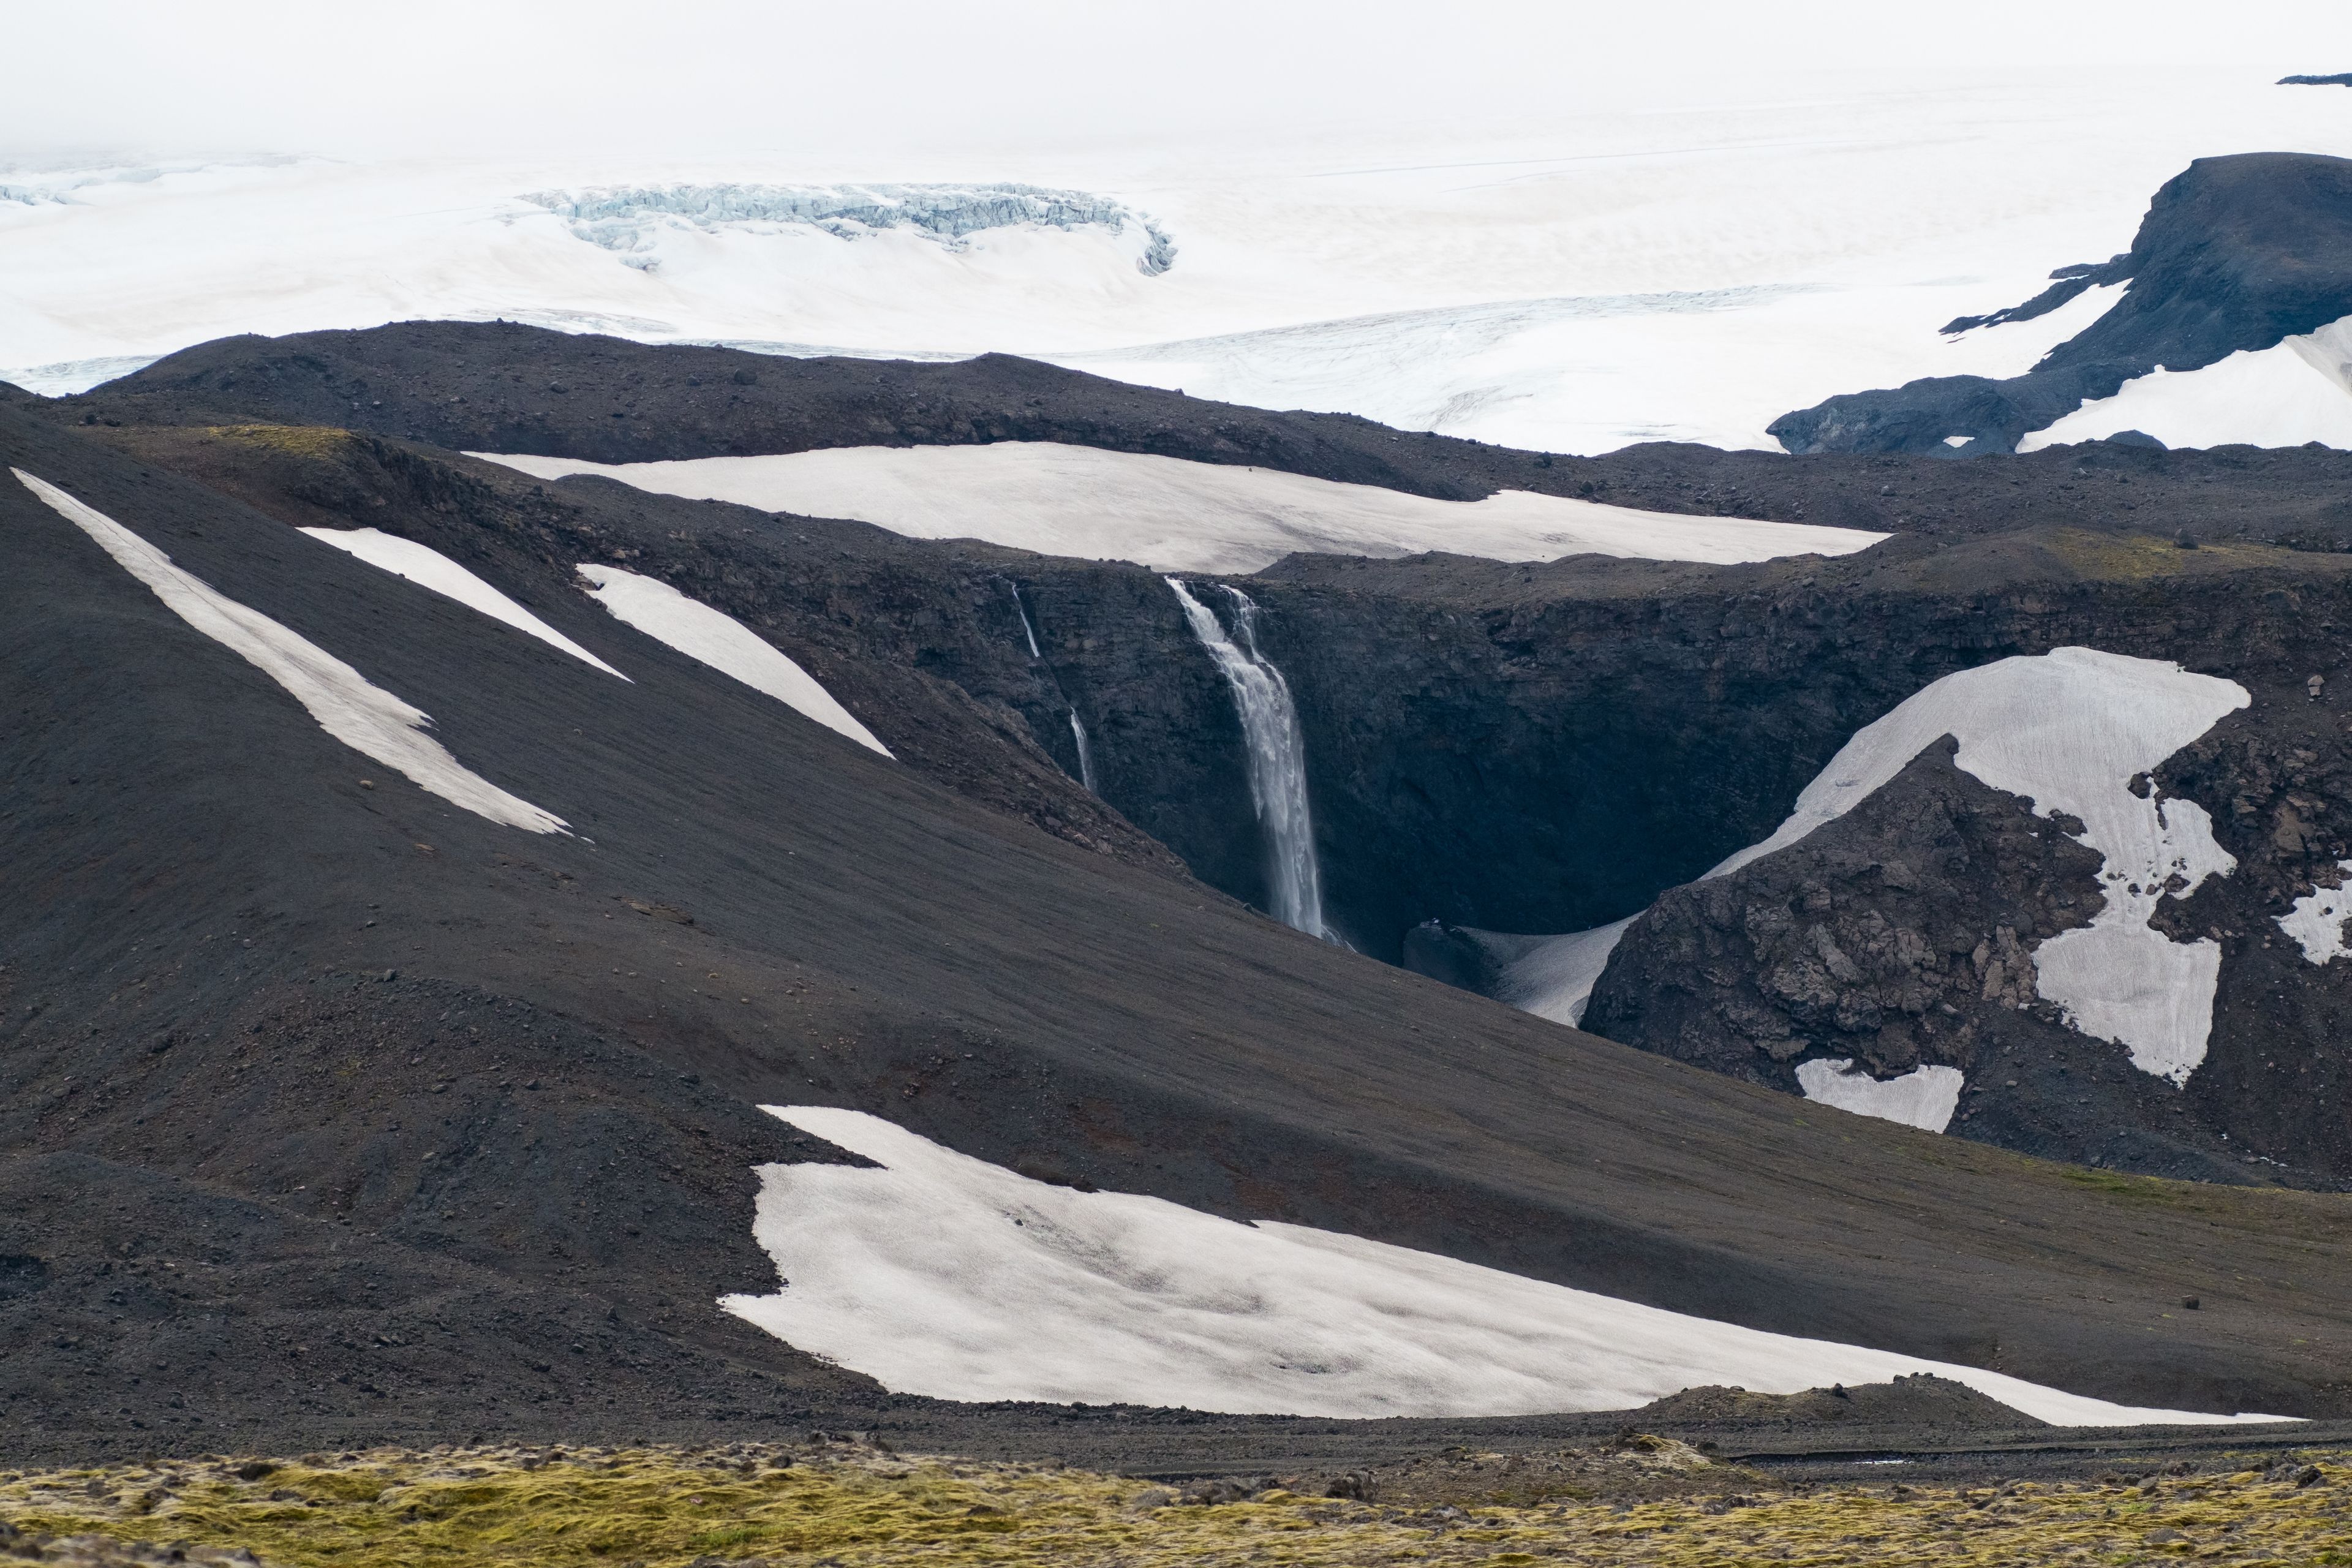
x,y
428,568
2316,920
1923,1099
2294,391
365,717
1554,978
722,642
942,1275
1177,515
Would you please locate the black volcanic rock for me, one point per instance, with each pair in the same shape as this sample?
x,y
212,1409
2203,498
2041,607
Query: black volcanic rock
x,y
2235,253
2341,79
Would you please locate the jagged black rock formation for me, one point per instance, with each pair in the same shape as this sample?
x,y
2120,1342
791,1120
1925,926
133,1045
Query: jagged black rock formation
x,y
2235,253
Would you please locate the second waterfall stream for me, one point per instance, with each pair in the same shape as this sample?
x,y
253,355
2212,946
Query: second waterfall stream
x,y
1276,755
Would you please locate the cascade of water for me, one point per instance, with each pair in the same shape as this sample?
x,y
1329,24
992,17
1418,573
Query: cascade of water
x,y
1278,759
1085,753
1023,611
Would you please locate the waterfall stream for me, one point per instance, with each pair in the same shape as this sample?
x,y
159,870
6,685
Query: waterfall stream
x,y
1077,725
1278,758
1085,753
1027,629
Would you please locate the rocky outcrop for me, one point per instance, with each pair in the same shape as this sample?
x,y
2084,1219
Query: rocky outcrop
x,y
1900,936
2235,253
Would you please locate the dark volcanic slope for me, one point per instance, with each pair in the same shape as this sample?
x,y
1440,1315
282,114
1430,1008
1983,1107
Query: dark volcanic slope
x,y
488,387
1522,748
207,892
2235,253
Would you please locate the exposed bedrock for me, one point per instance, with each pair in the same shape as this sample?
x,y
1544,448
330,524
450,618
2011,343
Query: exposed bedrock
x,y
2235,253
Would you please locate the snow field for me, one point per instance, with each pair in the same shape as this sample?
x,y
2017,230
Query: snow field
x,y
942,1275
722,642
2297,391
1176,515
428,568
365,717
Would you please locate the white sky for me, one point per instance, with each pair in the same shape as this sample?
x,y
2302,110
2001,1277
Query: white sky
x,y
166,78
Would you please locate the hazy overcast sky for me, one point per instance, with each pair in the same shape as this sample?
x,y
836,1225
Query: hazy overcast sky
x,y
178,76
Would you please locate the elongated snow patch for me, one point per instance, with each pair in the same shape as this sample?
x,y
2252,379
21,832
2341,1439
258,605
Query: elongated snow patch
x,y
2070,729
940,1274
428,568
365,717
1180,516
722,642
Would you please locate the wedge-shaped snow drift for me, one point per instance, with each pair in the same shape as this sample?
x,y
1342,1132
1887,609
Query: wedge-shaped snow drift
x,y
2069,730
365,717
942,1275
722,642
1176,515
1924,1098
428,568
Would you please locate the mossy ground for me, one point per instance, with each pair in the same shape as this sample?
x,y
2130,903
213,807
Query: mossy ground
x,y
847,1506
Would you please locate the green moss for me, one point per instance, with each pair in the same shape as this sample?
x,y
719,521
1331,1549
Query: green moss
x,y
296,440
865,1507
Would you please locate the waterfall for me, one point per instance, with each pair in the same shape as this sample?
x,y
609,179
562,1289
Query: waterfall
x,y
1085,753
1023,611
1077,725
1278,759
